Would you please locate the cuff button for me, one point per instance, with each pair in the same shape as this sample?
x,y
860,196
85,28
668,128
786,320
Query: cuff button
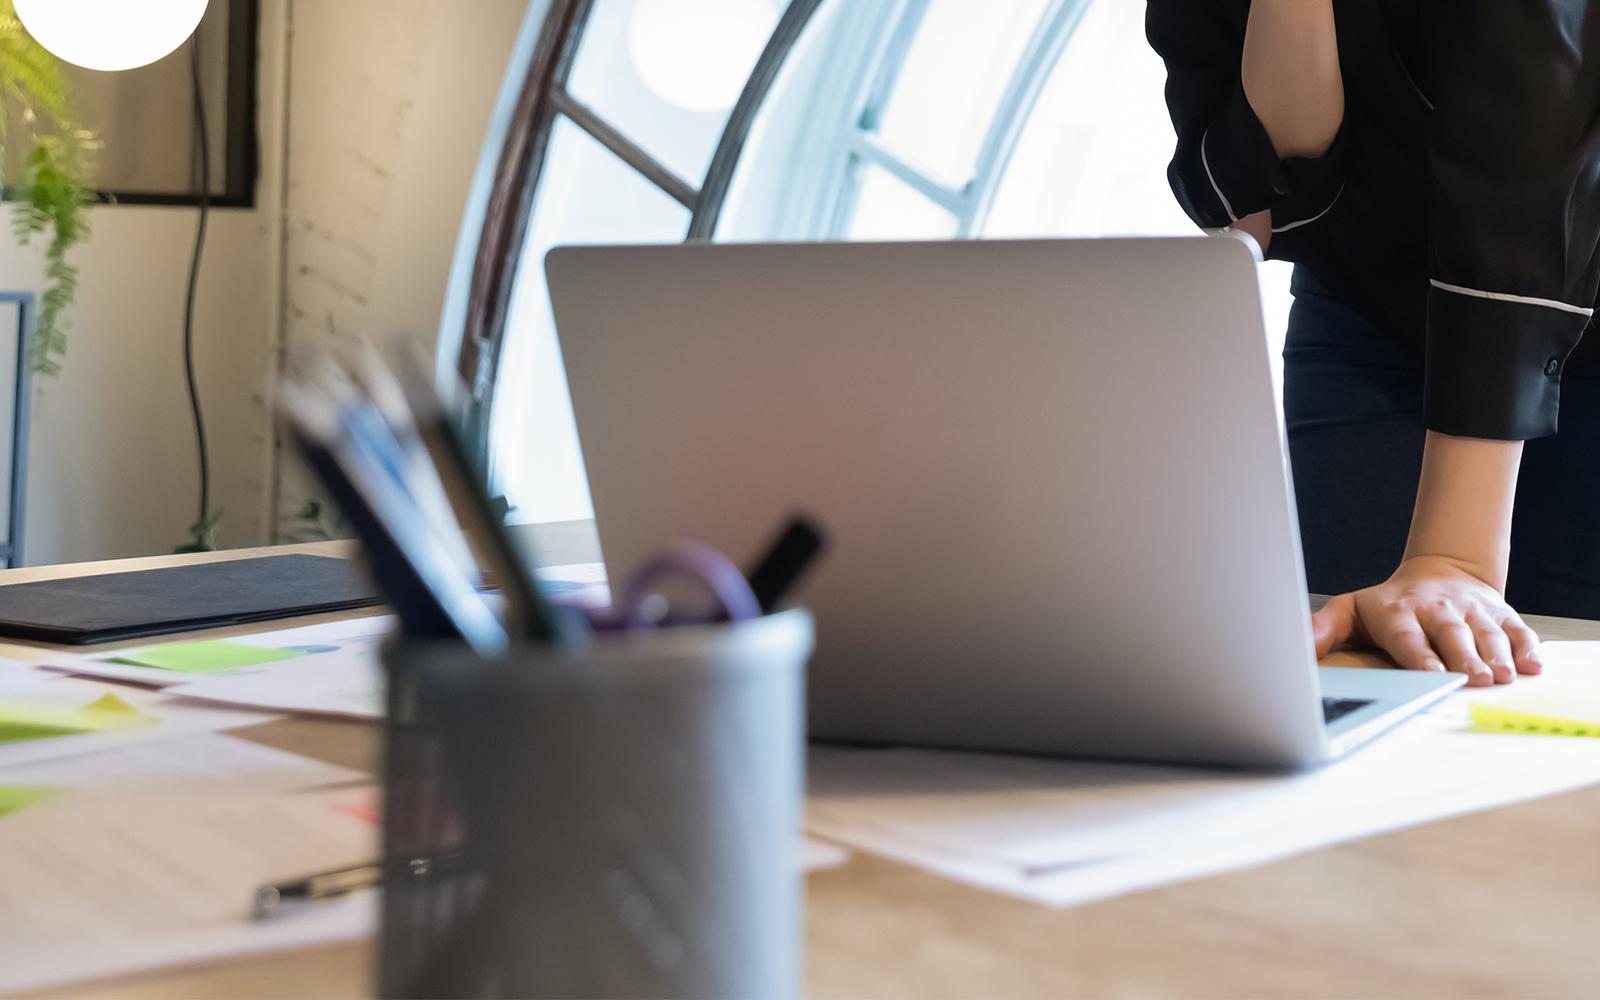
x,y
1552,366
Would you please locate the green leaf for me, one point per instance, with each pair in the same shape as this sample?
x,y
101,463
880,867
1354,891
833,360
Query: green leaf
x,y
59,175
203,534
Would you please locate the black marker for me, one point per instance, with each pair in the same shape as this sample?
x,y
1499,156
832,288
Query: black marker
x,y
801,542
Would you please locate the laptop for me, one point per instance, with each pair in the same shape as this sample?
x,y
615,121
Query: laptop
x,y
1053,473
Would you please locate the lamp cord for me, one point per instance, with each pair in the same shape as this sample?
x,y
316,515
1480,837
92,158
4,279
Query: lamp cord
x,y
200,527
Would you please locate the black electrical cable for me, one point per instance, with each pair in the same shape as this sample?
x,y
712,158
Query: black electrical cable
x,y
194,275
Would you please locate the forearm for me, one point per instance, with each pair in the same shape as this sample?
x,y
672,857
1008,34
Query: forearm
x,y
1291,77
1464,502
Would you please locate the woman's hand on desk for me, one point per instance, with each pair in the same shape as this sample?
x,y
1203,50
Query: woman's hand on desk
x,y
1442,608
1433,614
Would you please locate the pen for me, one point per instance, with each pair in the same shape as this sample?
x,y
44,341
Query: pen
x,y
343,881
311,888
422,580
390,408
528,611
801,542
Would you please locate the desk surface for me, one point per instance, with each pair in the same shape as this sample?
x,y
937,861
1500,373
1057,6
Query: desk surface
x,y
1505,902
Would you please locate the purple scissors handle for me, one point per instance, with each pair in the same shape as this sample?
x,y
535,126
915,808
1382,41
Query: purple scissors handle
x,y
694,560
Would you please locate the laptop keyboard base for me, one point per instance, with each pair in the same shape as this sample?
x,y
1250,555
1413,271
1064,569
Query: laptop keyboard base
x,y
1334,709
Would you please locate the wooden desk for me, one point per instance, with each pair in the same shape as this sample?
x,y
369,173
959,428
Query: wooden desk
x,y
1502,903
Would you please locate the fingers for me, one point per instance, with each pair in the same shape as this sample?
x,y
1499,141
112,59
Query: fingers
x,y
1431,615
1493,646
1409,647
1524,644
1456,645
1334,624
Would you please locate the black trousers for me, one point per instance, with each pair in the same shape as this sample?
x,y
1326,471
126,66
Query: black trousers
x,y
1352,404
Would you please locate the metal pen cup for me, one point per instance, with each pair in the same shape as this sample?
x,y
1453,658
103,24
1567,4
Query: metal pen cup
x,y
618,821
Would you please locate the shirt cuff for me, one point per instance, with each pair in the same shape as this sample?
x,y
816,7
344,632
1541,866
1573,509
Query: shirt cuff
x,y
1494,362
1247,177
1315,184
1239,161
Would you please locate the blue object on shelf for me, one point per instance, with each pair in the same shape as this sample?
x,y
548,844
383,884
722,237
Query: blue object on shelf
x,y
17,489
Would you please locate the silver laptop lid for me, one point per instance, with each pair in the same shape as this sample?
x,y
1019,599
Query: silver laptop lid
x,y
1052,471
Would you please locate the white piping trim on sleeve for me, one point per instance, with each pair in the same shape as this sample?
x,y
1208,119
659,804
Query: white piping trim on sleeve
x,y
1526,300
1204,163
1314,218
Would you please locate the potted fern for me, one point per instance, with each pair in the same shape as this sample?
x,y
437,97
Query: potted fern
x,y
56,186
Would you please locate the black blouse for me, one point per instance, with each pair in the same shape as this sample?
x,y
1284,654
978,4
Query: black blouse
x,y
1459,206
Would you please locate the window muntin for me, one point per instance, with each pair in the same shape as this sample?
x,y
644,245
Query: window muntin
x,y
955,73
790,178
587,195
998,78
1092,158
608,78
890,209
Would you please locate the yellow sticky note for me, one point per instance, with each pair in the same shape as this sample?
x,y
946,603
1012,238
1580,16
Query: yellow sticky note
x,y
213,656
109,702
15,798
21,721
1543,714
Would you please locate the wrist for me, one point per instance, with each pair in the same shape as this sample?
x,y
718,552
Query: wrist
x,y
1433,566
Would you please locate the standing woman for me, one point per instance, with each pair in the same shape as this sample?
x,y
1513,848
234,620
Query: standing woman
x,y
1432,167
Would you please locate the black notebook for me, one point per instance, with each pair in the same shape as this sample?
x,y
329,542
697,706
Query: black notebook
x,y
87,609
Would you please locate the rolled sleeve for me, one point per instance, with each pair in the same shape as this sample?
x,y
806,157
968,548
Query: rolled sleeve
x,y
1514,219
1239,163
1314,186
1225,167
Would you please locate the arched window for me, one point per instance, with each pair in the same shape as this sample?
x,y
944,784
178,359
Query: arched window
x,y
652,121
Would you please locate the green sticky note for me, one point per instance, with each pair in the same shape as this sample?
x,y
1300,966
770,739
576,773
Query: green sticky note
x,y
12,731
1539,713
214,656
15,798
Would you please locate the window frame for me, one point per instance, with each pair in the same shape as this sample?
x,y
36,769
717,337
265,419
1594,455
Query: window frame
x,y
542,98
473,327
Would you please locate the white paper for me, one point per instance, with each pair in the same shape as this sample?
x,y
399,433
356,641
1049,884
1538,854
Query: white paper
x,y
107,883
179,759
334,684
1064,832
344,677
173,717
353,639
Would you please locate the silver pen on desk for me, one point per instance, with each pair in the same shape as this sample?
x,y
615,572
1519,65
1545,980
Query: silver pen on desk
x,y
343,881
312,888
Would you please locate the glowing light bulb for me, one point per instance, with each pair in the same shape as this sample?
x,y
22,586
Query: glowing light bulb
x,y
697,54
110,34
